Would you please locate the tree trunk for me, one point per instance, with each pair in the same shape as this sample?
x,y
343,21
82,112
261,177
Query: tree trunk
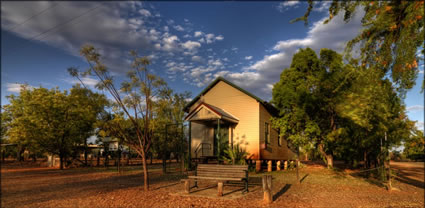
x,y
98,159
128,158
164,163
85,152
330,160
365,159
145,172
119,161
61,161
106,161
328,157
182,163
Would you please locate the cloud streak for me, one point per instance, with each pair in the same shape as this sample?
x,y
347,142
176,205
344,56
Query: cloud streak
x,y
415,108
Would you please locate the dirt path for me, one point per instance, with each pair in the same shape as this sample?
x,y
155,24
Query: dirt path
x,y
410,172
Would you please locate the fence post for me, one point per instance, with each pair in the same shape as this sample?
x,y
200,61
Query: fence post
x,y
267,188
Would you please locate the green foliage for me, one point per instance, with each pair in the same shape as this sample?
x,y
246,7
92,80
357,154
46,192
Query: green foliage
x,y
414,146
235,155
52,121
393,32
343,110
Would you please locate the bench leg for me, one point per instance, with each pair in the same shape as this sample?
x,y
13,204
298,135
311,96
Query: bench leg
x,y
246,187
187,186
196,184
220,188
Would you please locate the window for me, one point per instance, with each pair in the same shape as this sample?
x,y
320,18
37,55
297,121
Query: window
x,y
279,138
267,133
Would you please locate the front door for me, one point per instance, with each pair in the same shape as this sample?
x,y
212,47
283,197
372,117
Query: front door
x,y
223,137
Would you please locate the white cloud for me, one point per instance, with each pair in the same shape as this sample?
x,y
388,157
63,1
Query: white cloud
x,y
90,82
290,3
415,108
196,58
220,37
248,57
170,43
145,12
198,34
15,87
179,28
191,45
322,6
209,38
287,4
216,62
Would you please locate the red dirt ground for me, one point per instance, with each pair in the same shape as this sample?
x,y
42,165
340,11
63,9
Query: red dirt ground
x,y
26,186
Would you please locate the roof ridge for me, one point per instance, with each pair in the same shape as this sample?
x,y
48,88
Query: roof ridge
x,y
213,83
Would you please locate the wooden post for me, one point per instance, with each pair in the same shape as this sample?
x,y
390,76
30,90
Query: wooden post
x,y
267,188
278,165
189,165
187,186
285,165
269,166
387,153
258,165
218,136
298,164
220,188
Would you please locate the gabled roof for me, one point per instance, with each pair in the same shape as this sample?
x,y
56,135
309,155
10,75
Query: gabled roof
x,y
220,113
272,110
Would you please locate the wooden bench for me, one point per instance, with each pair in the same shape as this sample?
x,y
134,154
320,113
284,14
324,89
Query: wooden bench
x,y
219,173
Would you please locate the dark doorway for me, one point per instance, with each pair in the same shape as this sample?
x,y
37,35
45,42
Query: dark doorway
x,y
223,136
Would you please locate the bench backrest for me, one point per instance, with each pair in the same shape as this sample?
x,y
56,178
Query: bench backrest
x,y
222,171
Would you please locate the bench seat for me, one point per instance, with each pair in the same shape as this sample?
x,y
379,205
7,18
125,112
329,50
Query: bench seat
x,y
219,173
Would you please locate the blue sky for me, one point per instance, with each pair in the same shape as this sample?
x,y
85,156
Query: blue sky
x,y
189,43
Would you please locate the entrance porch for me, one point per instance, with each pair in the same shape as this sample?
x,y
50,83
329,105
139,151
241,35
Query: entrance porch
x,y
211,129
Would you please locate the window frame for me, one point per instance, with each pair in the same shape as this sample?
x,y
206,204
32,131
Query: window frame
x,y
267,133
279,138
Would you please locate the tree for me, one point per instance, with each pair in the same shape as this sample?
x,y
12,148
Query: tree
x,y
414,145
393,32
168,122
306,97
374,109
53,121
135,98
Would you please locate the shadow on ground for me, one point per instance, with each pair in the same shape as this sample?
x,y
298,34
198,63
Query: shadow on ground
x,y
282,191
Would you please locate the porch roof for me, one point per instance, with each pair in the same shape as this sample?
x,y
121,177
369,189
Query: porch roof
x,y
205,111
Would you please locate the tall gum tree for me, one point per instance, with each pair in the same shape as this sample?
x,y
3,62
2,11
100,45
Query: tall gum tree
x,y
135,98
